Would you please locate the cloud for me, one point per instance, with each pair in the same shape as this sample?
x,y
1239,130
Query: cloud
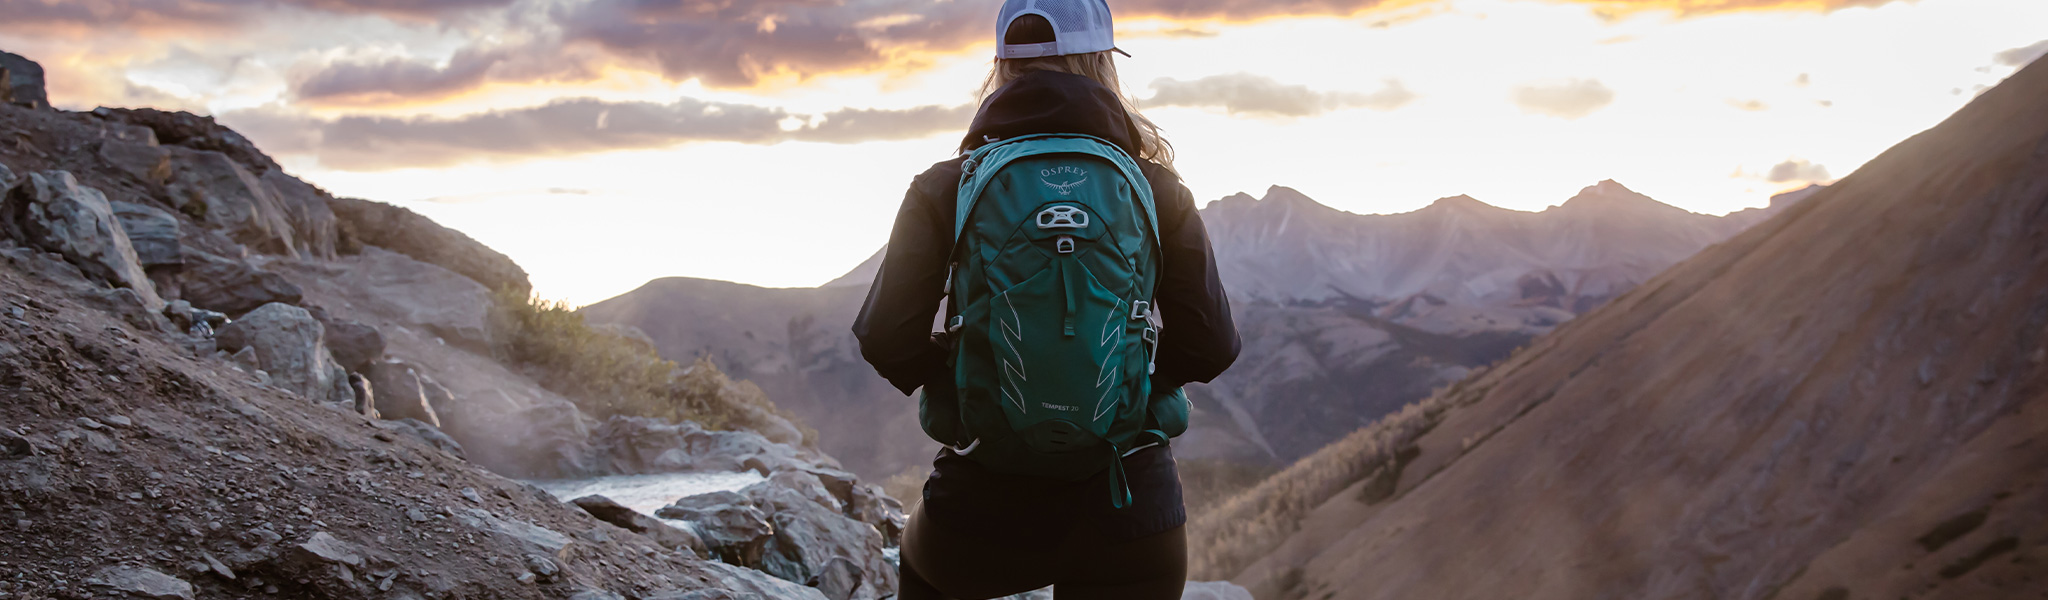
x,y
855,125
32,16
1244,93
1796,170
1565,99
2022,56
1707,7
567,127
399,79
738,42
723,43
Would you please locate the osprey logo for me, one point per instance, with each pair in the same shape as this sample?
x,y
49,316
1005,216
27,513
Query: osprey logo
x,y
1046,176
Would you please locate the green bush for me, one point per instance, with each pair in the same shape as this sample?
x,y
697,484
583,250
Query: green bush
x,y
609,373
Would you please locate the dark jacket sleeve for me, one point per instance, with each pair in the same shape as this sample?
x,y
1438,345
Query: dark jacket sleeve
x,y
895,325
1200,339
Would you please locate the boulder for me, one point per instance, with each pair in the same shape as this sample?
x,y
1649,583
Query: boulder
x,y
51,211
406,232
288,343
810,534
146,163
231,286
398,391
154,234
23,83
220,193
6,179
728,523
721,581
630,520
872,506
354,345
141,582
805,484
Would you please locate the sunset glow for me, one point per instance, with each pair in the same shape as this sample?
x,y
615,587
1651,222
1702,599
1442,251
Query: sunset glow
x,y
603,143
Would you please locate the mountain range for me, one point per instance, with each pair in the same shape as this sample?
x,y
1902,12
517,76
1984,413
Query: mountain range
x,y
1345,317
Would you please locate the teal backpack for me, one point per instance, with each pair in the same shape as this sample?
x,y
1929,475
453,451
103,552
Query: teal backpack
x,y
1050,313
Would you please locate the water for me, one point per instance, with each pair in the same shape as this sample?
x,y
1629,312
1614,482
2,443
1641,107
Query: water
x,y
648,493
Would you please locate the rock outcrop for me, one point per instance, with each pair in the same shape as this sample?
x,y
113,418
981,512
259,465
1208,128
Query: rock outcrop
x,y
52,211
23,82
220,192
406,232
115,401
801,525
230,286
155,236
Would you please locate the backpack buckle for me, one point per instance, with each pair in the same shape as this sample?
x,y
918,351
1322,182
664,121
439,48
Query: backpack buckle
x,y
1140,310
1062,217
1065,244
956,323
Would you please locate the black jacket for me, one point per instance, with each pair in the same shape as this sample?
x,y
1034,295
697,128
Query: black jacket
x,y
1199,340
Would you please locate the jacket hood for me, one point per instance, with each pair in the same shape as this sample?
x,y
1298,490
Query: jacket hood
x,y
1052,102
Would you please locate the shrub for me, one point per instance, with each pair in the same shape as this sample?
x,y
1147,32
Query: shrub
x,y
608,372
907,486
1240,530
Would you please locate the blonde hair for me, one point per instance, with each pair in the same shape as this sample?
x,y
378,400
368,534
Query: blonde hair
x,y
1099,66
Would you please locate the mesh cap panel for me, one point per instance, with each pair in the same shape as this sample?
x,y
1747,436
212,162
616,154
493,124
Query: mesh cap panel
x,y
1079,26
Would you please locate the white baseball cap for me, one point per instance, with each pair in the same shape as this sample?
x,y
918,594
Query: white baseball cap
x,y
1079,27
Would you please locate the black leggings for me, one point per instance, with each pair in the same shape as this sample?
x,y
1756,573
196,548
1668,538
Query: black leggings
x,y
944,565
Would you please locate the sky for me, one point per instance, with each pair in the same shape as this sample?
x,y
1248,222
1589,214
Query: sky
x,y
604,143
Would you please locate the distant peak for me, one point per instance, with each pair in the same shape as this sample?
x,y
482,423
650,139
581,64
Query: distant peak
x,y
1239,199
1611,195
1609,187
1281,193
1459,201
1289,199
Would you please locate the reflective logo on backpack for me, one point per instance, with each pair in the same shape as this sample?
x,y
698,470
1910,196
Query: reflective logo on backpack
x,y
1046,176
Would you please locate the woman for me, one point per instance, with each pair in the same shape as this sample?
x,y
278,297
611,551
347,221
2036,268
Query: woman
x,y
981,534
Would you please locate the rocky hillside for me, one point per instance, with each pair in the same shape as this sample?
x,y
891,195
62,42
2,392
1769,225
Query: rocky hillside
x,y
1345,317
1843,402
219,381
